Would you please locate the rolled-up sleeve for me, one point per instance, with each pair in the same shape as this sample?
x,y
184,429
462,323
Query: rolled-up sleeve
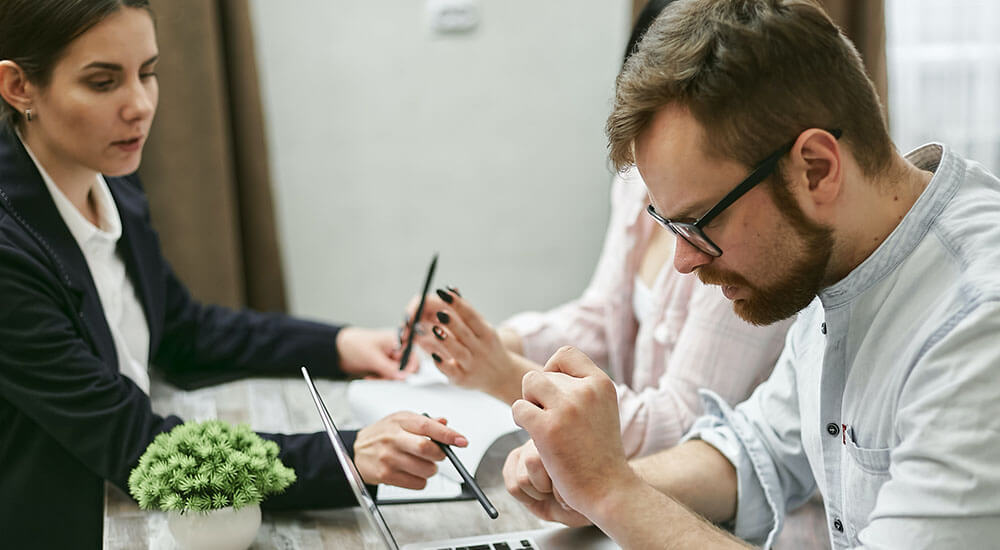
x,y
761,438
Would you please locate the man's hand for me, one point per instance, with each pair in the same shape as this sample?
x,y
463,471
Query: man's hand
x,y
526,479
571,412
396,450
372,354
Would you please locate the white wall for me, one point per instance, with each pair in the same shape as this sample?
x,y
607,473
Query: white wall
x,y
389,142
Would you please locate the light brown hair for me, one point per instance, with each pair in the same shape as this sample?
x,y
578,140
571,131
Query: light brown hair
x,y
754,74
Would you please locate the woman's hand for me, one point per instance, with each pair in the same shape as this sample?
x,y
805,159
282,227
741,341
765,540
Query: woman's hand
x,y
467,349
398,450
371,353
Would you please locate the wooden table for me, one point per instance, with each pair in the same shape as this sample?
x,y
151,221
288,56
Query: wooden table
x,y
284,405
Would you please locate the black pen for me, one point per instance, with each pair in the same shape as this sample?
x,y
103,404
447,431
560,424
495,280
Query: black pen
x,y
416,317
469,480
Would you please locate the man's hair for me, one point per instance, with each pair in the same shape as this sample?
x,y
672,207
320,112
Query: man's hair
x,y
754,74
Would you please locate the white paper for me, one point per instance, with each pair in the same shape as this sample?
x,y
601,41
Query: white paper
x,y
479,417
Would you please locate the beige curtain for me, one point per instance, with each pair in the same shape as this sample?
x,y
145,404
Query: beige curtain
x,y
205,166
637,6
863,21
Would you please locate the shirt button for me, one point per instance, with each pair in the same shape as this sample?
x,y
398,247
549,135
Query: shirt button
x,y
838,525
832,429
822,328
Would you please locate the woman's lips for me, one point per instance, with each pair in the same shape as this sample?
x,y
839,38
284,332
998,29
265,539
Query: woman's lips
x,y
128,145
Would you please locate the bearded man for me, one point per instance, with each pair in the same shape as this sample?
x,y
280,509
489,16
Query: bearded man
x,y
764,150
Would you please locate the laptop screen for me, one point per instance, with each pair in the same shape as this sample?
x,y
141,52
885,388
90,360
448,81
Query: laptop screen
x,y
370,510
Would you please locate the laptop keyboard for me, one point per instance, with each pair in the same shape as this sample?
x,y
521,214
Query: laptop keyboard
x,y
523,544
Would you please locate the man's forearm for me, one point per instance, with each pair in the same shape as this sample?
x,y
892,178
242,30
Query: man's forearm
x,y
637,515
696,475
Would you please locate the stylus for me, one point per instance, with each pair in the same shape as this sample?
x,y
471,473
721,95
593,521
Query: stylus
x,y
469,480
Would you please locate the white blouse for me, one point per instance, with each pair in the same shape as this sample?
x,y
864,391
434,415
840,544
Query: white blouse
x,y
122,310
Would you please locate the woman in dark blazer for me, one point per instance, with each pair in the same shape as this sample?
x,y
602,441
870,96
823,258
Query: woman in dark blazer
x,y
79,93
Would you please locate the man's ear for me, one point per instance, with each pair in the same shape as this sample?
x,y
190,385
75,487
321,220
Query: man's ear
x,y
815,164
14,86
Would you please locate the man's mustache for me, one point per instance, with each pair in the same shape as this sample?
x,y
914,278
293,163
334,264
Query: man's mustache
x,y
710,276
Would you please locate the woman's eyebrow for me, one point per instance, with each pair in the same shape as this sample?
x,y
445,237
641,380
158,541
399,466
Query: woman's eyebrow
x,y
103,65
116,66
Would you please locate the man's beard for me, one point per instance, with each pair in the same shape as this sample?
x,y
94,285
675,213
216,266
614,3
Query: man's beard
x,y
801,280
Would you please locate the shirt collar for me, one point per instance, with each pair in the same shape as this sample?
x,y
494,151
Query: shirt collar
x,y
110,227
948,175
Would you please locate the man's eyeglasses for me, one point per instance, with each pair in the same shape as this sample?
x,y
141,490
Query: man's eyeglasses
x,y
692,231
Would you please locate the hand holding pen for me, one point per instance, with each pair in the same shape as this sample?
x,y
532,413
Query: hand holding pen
x,y
470,481
416,316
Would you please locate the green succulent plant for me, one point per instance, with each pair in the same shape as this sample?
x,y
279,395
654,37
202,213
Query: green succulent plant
x,y
201,466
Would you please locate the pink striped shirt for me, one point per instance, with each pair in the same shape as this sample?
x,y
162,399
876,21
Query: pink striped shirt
x,y
694,340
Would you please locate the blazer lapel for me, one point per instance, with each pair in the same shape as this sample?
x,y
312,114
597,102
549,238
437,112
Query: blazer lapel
x,y
24,194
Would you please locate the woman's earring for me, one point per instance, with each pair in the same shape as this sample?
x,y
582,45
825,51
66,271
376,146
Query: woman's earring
x,y
27,114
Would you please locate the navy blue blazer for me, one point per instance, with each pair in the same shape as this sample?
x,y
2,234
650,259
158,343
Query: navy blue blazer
x,y
68,419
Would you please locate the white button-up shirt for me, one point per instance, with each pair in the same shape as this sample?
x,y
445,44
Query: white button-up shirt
x,y
887,394
122,310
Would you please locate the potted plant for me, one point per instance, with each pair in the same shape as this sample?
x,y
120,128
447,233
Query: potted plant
x,y
210,478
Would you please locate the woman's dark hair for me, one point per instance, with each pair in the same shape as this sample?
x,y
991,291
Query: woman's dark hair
x,y
35,33
642,23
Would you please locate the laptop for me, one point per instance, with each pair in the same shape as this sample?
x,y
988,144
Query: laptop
x,y
556,538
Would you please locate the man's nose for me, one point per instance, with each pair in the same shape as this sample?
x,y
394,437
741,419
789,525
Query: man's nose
x,y
687,257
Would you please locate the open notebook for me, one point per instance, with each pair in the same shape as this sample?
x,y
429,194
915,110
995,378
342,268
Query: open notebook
x,y
479,417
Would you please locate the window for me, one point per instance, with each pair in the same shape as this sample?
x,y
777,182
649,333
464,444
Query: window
x,y
944,75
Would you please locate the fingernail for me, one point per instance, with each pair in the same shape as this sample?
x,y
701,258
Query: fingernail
x,y
439,332
455,290
443,317
461,441
444,296
436,357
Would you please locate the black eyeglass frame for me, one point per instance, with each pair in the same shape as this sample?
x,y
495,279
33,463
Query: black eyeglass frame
x,y
694,229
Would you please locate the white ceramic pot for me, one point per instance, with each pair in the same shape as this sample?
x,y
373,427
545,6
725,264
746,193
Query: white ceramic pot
x,y
222,529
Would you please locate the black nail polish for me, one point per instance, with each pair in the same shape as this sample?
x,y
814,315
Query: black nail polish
x,y
444,296
454,290
439,332
436,357
443,317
